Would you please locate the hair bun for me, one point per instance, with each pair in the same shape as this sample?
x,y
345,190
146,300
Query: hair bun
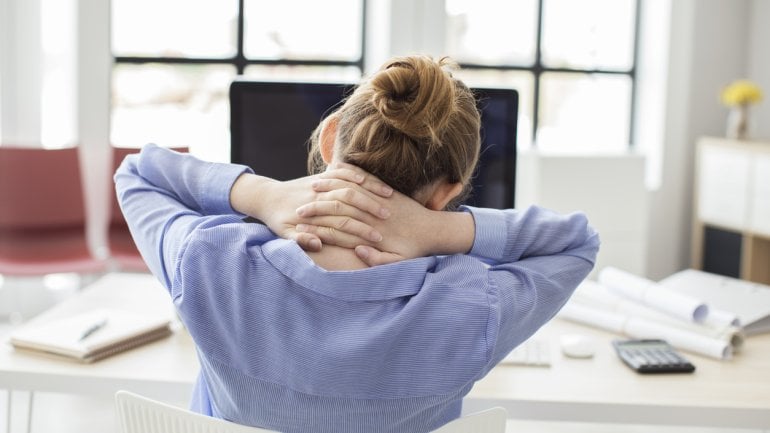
x,y
415,95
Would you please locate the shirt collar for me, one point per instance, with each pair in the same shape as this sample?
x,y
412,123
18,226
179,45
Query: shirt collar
x,y
378,283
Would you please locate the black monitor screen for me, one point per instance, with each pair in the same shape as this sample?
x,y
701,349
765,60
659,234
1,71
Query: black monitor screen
x,y
271,122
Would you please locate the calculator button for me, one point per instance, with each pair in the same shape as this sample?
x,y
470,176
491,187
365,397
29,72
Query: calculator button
x,y
652,356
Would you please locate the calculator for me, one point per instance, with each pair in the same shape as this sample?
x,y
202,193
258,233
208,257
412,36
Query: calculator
x,y
652,356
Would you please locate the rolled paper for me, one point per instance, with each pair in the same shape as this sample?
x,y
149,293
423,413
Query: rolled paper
x,y
641,328
721,318
653,295
605,320
598,296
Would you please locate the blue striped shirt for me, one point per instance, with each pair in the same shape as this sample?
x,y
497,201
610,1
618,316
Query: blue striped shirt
x,y
286,345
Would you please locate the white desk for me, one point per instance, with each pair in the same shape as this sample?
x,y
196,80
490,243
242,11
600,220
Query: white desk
x,y
165,369
734,393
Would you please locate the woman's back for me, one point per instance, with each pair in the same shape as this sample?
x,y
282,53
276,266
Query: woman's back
x,y
321,342
381,345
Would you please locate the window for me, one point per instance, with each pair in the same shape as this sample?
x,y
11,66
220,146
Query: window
x,y
175,59
572,61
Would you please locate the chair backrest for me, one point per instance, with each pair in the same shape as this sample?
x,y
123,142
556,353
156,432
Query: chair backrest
x,y
42,213
486,421
40,188
138,414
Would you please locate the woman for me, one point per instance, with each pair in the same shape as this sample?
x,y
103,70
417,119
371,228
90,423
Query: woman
x,y
323,340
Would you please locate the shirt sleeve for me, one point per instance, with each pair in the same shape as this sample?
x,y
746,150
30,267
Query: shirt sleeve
x,y
166,195
537,258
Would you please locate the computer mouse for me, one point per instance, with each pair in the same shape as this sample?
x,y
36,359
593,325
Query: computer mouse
x,y
577,345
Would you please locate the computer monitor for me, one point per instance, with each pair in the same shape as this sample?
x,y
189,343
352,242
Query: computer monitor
x,y
271,122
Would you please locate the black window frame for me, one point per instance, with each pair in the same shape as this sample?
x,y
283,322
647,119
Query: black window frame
x,y
538,69
240,61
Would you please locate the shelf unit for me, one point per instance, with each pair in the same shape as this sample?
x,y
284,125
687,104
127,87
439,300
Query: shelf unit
x,y
731,216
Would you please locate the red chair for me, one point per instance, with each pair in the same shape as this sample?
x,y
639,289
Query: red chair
x,y
42,213
123,251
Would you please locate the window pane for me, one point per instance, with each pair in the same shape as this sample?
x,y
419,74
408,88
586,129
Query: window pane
x,y
328,30
523,82
588,34
500,32
174,28
173,105
341,74
584,112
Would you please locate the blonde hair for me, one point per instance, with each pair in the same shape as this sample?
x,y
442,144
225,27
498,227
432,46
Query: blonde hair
x,y
410,124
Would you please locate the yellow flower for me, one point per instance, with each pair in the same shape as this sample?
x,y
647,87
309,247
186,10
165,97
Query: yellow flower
x,y
741,92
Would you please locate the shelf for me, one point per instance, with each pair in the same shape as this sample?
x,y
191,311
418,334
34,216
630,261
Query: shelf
x,y
731,222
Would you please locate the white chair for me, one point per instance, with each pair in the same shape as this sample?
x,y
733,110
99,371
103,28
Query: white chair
x,y
138,414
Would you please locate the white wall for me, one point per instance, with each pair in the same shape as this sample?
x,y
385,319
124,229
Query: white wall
x,y
417,27
378,15
759,64
609,189
709,40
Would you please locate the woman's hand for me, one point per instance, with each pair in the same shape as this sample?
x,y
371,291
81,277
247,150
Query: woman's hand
x,y
412,230
352,195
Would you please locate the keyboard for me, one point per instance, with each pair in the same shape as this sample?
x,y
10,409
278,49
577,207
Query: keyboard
x,y
533,353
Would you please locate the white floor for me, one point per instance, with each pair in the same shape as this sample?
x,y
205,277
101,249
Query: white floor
x,y
64,413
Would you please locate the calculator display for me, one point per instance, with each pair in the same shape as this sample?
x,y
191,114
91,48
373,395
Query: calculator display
x,y
631,345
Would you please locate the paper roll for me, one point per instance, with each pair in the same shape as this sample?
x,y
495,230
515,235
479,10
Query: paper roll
x,y
605,320
641,328
597,296
653,295
721,318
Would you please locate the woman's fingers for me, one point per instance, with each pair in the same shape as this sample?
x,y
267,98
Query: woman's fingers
x,y
306,241
340,231
358,176
350,175
333,208
334,190
373,257
331,236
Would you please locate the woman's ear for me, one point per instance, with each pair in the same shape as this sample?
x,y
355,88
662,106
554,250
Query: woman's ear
x,y
328,138
443,193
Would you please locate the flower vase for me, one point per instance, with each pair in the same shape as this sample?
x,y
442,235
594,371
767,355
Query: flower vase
x,y
738,122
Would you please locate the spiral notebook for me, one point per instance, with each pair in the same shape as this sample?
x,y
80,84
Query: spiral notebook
x,y
91,336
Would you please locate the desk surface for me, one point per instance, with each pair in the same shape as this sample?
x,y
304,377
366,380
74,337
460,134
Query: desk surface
x,y
602,389
720,393
164,369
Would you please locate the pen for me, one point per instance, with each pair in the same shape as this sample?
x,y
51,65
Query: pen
x,y
93,328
